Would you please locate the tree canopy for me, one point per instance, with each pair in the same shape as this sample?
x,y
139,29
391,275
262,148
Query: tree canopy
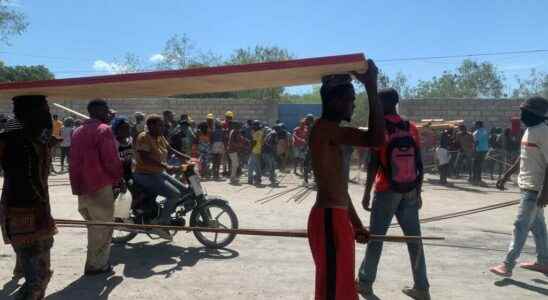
x,y
12,22
24,73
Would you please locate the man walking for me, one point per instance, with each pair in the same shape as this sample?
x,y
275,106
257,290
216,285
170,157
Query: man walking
x,y
254,169
25,213
397,171
481,142
94,168
333,225
533,182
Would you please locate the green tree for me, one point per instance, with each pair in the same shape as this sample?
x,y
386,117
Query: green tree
x,y
471,79
176,53
535,84
311,97
12,22
24,73
181,53
400,83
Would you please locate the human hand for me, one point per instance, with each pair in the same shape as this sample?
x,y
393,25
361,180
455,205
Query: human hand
x,y
419,199
501,182
366,201
370,77
172,169
362,236
542,199
123,186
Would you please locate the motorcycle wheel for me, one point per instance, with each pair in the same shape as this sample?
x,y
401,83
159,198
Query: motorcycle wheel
x,y
200,218
122,236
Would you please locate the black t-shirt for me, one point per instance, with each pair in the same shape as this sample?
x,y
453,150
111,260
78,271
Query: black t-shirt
x,y
26,168
126,153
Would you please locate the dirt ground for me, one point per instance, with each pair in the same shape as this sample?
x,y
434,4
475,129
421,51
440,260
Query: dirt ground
x,y
281,268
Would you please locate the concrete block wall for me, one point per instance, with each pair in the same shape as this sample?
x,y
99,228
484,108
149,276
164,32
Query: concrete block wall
x,y
244,109
493,112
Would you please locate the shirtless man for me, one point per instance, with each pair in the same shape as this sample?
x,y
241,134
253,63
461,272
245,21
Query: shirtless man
x,y
333,224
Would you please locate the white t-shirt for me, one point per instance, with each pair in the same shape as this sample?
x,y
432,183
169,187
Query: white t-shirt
x,y
443,156
66,135
534,155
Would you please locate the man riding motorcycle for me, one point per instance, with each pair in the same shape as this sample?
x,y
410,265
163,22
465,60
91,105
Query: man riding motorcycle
x,y
152,172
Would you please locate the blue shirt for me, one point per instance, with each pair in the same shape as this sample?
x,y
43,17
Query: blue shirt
x,y
481,140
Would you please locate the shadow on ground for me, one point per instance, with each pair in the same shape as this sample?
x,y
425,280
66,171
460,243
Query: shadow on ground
x,y
88,287
140,259
507,281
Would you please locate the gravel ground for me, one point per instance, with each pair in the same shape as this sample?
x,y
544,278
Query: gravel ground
x,y
256,267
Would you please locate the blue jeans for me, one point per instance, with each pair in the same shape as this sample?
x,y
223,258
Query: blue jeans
x,y
530,217
254,166
385,206
164,185
270,166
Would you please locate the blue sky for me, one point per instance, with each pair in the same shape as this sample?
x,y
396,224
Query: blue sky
x,y
70,37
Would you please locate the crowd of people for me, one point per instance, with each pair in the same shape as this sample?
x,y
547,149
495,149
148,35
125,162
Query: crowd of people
x,y
222,148
106,152
476,152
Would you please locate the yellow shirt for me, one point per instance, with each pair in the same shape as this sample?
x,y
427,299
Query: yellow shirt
x,y
258,138
56,129
158,149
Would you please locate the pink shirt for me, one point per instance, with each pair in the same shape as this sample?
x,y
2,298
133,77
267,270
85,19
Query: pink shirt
x,y
94,160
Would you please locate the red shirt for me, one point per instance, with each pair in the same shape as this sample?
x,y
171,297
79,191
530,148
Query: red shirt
x,y
382,184
299,136
94,160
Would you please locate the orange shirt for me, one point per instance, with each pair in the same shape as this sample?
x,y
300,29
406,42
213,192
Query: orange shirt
x,y
382,184
56,129
158,149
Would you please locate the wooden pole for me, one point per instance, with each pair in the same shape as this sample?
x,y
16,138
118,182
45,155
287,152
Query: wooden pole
x,y
240,231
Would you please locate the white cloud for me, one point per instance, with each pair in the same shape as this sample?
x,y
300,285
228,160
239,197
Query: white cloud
x,y
103,66
156,58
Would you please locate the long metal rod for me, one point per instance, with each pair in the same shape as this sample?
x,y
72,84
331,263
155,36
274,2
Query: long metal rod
x,y
71,111
260,232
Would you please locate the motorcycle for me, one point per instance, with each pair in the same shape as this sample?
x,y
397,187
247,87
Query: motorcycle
x,y
205,211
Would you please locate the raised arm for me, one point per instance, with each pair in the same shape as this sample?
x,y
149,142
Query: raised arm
x,y
375,134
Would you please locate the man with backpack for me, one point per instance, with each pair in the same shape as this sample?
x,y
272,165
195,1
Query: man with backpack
x,y
397,171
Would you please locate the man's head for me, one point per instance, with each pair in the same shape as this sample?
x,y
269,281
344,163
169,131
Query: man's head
x,y
309,119
389,99
478,124
533,111
68,122
139,117
98,109
256,125
155,125
229,116
121,128
55,117
168,116
338,97
33,111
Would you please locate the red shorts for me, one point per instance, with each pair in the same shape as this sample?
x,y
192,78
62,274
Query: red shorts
x,y
331,238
